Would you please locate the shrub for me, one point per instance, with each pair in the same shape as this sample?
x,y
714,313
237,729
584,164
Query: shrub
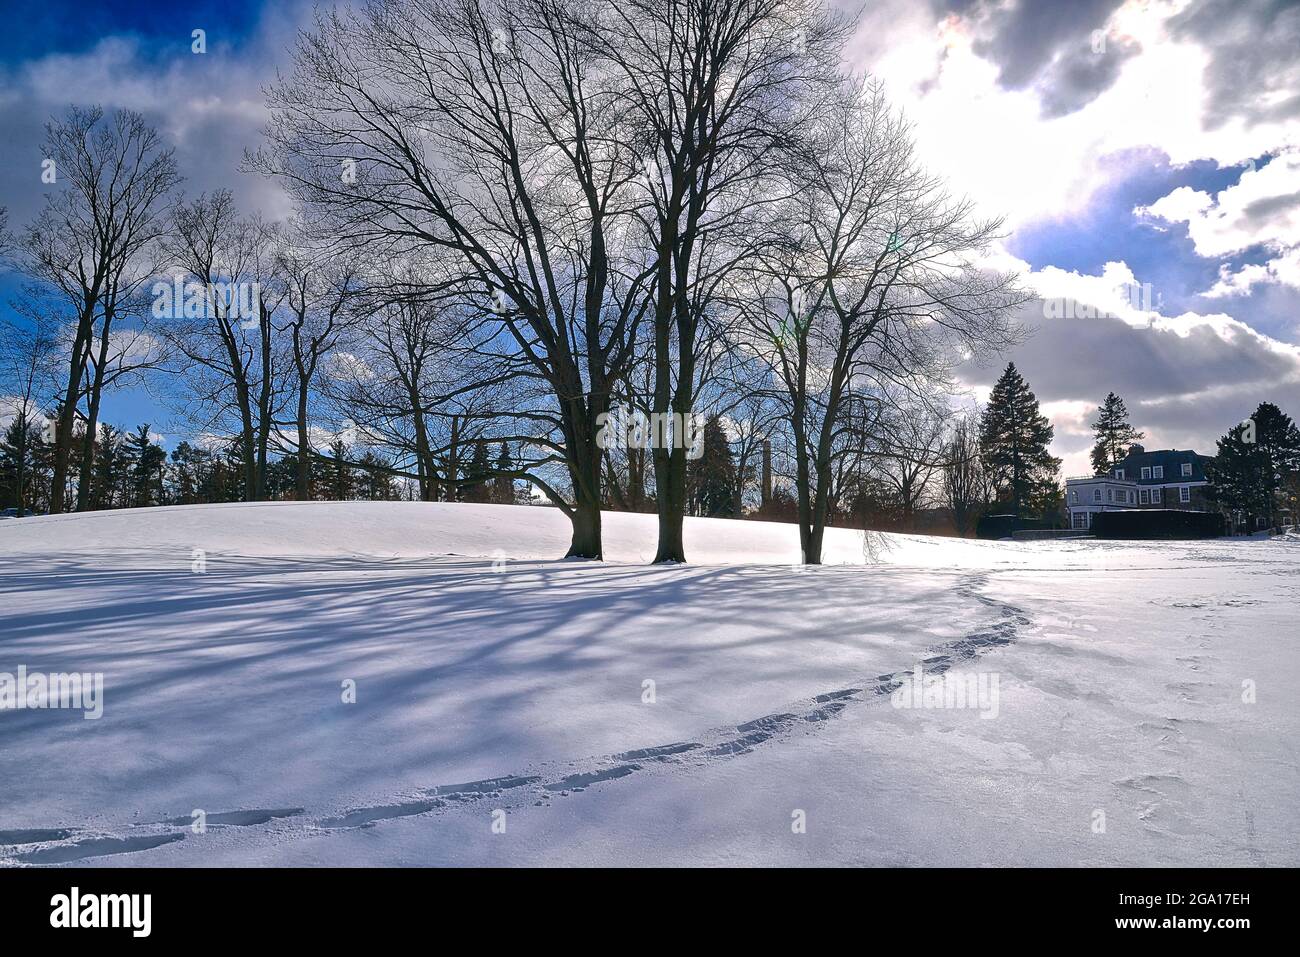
x,y
1157,523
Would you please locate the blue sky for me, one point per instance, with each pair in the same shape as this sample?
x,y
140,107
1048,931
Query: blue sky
x,y
1148,142
42,27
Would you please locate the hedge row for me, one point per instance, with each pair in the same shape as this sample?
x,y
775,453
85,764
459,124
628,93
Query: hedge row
x,y
1157,523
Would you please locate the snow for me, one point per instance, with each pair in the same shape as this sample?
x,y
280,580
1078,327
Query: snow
x,y
491,676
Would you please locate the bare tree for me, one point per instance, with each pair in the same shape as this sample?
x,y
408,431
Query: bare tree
x,y
909,451
221,310
319,290
965,489
117,355
878,289
90,234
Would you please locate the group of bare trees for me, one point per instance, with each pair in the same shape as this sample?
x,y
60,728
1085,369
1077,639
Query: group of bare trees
x,y
513,216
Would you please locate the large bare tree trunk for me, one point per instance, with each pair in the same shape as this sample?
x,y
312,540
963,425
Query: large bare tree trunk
x,y
302,482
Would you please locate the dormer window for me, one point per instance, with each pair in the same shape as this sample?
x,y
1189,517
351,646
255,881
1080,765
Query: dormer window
x,y
1187,469
1146,474
1158,472
1119,474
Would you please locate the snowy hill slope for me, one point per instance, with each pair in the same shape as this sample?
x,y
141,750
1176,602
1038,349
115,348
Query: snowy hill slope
x,y
521,687
413,530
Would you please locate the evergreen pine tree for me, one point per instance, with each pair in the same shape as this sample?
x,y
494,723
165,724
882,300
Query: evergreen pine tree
x,y
18,471
1014,439
504,486
146,463
41,483
376,482
185,460
1255,460
342,483
476,488
111,466
1114,435
712,477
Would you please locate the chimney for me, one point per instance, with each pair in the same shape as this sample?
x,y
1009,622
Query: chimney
x,y
1135,450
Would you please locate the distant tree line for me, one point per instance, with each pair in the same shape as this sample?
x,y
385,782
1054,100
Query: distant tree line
x,y
133,470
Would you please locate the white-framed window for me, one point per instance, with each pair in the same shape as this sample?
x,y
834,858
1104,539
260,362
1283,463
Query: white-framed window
x,y
1119,474
1184,493
1096,495
1146,474
1158,471
1074,496
1155,496
1144,497
1187,469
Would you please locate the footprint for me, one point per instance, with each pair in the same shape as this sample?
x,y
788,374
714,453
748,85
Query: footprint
x,y
663,751
478,789
1169,738
369,815
580,782
33,835
94,847
238,818
1190,691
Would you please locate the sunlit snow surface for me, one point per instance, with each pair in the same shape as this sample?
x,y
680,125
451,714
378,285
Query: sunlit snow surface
x,y
491,676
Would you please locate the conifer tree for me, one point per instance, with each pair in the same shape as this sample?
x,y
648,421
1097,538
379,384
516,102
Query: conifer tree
x,y
18,463
146,462
342,483
477,474
1255,460
504,490
712,476
1114,435
1014,439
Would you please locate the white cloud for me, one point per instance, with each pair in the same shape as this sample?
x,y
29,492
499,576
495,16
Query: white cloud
x,y
994,144
1263,207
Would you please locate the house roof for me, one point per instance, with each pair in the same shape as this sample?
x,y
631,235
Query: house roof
x,y
1172,461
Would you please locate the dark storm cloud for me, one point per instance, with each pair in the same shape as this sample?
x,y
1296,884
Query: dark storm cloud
x,y
1189,389
1025,39
1080,74
1264,210
1047,46
1254,47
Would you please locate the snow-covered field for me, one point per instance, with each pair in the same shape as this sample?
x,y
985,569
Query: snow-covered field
x,y
478,657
